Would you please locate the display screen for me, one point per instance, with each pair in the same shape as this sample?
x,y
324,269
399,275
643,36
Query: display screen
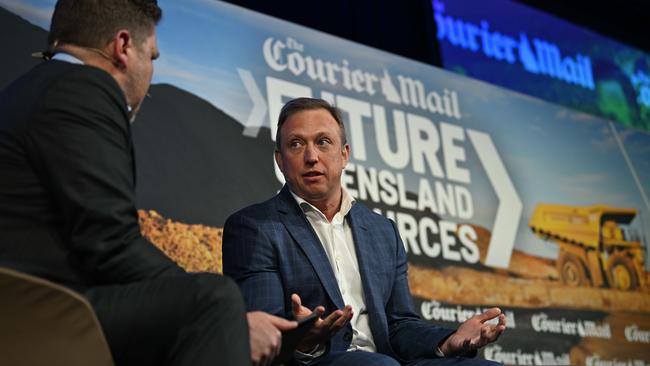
x,y
514,46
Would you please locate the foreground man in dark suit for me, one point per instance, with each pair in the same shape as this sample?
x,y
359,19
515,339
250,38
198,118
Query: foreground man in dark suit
x,y
67,208
344,260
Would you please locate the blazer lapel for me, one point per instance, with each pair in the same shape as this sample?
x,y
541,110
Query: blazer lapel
x,y
303,234
364,247
371,285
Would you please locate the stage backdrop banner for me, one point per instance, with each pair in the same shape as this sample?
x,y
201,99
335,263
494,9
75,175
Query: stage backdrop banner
x,y
501,199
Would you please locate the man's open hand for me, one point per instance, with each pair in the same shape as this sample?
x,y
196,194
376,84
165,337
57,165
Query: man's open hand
x,y
474,333
324,329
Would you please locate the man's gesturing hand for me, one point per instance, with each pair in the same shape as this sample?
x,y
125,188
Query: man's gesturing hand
x,y
474,333
323,329
265,332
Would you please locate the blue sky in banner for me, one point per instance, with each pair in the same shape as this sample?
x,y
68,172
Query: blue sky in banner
x,y
551,154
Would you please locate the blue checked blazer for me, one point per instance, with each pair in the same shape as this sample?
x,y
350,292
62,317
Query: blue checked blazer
x,y
271,251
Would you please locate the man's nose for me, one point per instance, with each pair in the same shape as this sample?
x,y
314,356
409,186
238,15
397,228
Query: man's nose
x,y
311,154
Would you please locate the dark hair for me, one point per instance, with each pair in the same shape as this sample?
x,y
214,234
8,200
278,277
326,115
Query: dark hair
x,y
302,104
93,23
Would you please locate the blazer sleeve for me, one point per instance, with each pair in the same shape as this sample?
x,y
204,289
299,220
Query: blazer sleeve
x,y
80,147
251,259
410,337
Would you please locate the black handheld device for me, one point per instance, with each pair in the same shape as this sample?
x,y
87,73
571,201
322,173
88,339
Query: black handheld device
x,y
291,338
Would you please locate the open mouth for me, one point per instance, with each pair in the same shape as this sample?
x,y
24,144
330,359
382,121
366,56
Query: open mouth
x,y
312,174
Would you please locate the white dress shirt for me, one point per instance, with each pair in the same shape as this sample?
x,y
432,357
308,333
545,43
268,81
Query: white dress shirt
x,y
336,238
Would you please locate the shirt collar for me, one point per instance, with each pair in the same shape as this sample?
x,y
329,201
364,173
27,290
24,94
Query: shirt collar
x,y
66,57
347,201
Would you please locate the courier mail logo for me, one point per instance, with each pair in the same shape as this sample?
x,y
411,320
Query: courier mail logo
x,y
538,57
290,56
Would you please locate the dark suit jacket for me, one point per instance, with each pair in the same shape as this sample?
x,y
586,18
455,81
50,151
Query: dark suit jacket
x,y
271,251
67,180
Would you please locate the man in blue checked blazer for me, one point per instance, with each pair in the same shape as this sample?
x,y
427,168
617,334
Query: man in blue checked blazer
x,y
313,247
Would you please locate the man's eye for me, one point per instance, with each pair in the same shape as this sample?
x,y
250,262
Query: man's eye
x,y
294,144
324,141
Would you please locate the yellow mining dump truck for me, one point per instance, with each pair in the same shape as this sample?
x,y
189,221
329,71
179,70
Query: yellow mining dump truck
x,y
594,248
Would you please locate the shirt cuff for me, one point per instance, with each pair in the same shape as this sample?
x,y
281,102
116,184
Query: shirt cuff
x,y
314,353
439,353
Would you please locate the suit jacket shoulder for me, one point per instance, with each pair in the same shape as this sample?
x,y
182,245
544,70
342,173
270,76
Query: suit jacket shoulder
x,y
65,144
63,84
361,210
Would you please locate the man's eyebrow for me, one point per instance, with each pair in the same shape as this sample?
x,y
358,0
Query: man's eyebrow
x,y
295,136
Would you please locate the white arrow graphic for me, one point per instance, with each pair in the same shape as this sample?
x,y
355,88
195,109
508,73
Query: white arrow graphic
x,y
509,211
256,117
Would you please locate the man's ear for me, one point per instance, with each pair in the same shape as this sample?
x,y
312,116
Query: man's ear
x,y
122,44
346,154
278,160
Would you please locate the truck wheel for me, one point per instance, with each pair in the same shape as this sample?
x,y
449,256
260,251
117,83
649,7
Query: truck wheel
x,y
572,271
621,274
